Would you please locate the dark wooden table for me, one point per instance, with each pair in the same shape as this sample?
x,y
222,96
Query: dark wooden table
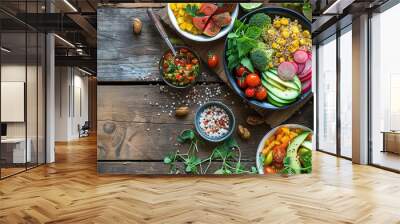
x,y
136,124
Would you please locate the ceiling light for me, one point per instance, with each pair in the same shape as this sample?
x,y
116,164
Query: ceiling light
x,y
84,71
70,5
65,41
5,50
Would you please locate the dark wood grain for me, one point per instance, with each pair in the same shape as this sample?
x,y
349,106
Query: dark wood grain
x,y
126,57
129,128
150,167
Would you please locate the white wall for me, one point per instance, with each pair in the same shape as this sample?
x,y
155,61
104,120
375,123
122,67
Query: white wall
x,y
71,102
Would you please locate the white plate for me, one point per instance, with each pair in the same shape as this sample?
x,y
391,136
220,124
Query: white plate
x,y
268,135
202,38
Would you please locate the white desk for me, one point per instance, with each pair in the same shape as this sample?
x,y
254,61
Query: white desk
x,y
19,154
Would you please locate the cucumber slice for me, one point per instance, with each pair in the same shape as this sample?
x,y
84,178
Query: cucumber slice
x,y
288,94
297,82
272,82
273,102
307,144
250,6
279,100
289,84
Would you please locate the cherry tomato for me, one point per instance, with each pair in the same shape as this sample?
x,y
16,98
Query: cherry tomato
x,y
241,82
269,170
279,153
195,61
212,60
188,67
178,77
261,93
241,71
165,66
250,92
253,80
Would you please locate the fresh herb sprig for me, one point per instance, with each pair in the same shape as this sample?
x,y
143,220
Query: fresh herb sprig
x,y
241,41
228,154
193,10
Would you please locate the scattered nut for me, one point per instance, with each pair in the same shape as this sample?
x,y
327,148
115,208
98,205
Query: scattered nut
x,y
137,26
182,111
254,120
244,133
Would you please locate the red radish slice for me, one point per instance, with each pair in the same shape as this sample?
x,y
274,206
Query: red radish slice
x,y
300,56
306,78
296,67
302,75
307,67
286,71
300,68
306,86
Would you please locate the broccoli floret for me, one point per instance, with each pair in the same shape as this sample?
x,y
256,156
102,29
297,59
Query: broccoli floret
x,y
261,44
260,57
260,20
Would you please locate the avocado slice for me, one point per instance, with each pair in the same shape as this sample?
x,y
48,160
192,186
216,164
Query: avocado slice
x,y
296,143
288,94
279,100
289,84
272,82
307,144
291,160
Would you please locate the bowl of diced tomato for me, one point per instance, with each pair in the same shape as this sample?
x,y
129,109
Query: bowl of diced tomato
x,y
203,22
181,70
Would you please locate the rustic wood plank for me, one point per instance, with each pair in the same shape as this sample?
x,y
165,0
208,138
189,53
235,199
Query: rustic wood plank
x,y
138,104
129,128
123,56
140,4
149,167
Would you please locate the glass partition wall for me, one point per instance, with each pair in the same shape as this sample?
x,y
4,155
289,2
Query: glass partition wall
x,y
385,89
334,94
22,77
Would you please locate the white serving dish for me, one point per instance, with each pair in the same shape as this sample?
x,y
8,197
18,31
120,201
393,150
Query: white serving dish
x,y
268,135
202,38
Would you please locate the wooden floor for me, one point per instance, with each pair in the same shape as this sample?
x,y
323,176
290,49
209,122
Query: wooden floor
x,y
70,191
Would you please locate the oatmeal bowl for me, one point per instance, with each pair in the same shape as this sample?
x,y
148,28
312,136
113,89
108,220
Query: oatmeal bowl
x,y
214,121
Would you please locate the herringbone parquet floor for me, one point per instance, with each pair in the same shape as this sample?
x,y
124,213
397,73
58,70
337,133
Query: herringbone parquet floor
x,y
70,191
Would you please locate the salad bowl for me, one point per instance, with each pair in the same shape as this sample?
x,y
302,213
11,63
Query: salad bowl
x,y
264,104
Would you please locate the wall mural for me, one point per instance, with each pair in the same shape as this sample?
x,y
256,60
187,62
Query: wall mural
x,y
205,88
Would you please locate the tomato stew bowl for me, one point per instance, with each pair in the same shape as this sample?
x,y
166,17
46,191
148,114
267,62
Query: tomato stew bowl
x,y
161,62
271,11
202,38
260,167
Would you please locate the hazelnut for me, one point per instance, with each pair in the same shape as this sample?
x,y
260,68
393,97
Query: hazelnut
x,y
182,111
137,26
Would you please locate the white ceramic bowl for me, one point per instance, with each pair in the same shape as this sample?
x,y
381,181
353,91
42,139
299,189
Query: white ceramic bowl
x,y
268,135
202,38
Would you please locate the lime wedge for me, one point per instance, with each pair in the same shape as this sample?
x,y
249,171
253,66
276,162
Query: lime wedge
x,y
250,6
